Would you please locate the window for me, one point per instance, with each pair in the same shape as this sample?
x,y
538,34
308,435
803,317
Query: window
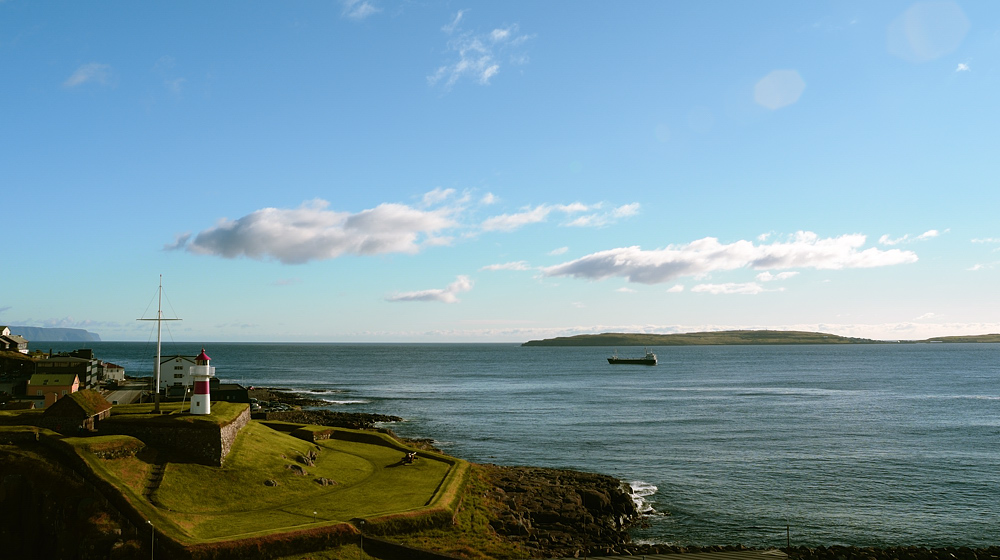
x,y
39,392
178,367
178,375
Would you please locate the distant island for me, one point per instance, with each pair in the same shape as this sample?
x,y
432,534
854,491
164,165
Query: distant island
x,y
741,337
41,334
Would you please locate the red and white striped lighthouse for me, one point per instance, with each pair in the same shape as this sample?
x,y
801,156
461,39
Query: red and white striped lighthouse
x,y
202,373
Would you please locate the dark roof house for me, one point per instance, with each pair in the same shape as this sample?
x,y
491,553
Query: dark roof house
x,y
77,411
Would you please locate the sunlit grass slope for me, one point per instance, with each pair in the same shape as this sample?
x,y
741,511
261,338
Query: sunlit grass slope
x,y
211,503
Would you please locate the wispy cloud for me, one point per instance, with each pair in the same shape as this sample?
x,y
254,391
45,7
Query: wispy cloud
x,y
437,196
180,242
286,282
451,27
540,213
529,215
929,234
606,218
749,288
479,55
704,256
91,72
676,289
625,290
962,67
312,232
559,251
443,295
489,198
358,9
516,265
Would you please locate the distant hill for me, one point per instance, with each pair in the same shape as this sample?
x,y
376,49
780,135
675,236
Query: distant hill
x,y
973,338
40,334
701,338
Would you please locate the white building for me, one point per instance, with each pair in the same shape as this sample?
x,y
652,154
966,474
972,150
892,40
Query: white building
x,y
175,371
112,372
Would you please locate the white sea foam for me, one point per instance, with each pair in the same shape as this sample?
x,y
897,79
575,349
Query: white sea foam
x,y
640,491
331,401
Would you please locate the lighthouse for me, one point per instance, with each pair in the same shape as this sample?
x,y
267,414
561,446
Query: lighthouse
x,y
201,372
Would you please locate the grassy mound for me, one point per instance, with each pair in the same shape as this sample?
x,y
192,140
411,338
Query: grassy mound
x,y
262,488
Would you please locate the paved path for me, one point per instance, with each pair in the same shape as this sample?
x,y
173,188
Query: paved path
x,y
733,555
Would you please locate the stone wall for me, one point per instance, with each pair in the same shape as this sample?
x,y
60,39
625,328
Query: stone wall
x,y
205,443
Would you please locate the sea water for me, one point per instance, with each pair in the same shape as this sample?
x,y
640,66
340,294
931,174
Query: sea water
x,y
868,445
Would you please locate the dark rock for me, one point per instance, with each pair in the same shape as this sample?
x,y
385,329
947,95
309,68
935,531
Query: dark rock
x,y
561,512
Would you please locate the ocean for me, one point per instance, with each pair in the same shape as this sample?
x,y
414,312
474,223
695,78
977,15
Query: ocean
x,y
866,445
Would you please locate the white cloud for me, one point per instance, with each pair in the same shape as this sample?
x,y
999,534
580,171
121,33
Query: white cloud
x,y
676,289
778,89
925,316
92,72
478,54
559,251
987,240
803,250
510,222
443,295
606,218
625,290
437,196
749,288
358,9
768,277
929,234
311,232
516,265
626,210
962,67
489,198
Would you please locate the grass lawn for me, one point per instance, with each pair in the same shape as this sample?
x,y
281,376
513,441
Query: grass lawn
x,y
211,503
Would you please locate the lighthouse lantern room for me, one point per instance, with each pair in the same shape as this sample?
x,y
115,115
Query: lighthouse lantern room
x,y
202,373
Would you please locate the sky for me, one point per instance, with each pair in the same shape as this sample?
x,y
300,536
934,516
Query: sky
x,y
442,171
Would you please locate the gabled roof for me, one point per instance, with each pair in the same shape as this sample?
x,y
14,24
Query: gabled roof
x,y
81,404
43,379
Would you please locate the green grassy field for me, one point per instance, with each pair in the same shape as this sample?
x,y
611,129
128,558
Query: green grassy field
x,y
211,503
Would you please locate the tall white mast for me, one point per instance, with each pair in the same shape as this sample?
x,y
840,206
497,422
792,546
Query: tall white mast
x,y
156,366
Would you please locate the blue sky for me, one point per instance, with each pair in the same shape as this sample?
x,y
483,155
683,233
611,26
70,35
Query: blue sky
x,y
375,170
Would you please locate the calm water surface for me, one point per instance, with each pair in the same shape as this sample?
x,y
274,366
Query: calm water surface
x,y
864,445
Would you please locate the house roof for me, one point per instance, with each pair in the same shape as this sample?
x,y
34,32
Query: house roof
x,y
81,404
41,379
